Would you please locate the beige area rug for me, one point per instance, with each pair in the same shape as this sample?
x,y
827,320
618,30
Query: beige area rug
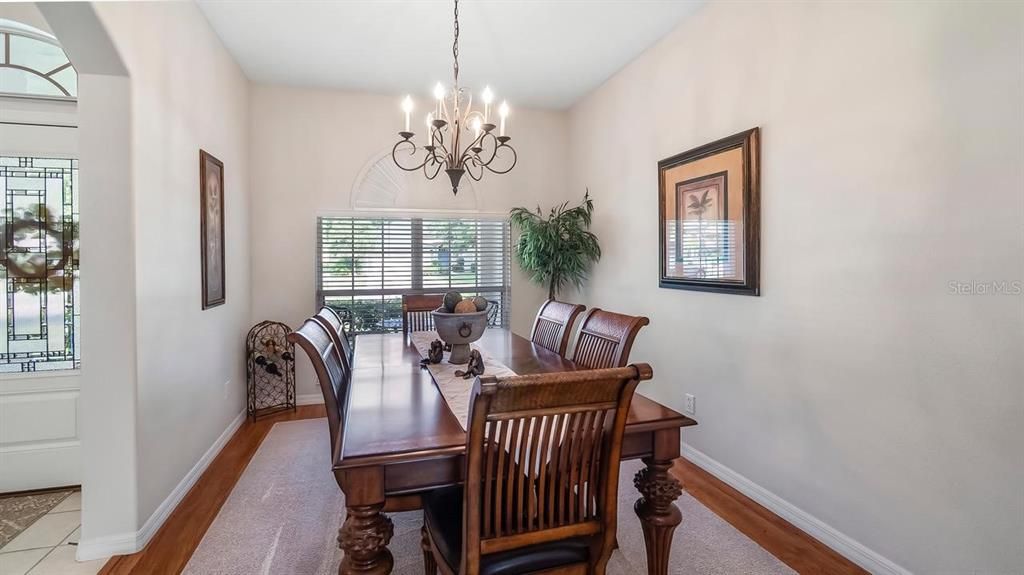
x,y
283,518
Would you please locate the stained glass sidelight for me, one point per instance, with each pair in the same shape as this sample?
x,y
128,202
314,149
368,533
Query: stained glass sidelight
x,y
39,325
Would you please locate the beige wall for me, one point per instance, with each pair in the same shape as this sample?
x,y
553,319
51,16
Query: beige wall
x,y
25,13
308,149
858,387
187,94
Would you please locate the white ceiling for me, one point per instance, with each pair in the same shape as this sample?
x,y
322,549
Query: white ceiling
x,y
540,54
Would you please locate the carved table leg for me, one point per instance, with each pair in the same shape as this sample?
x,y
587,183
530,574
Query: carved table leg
x,y
364,538
365,535
429,563
658,515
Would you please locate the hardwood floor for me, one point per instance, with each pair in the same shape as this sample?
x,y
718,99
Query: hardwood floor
x,y
172,546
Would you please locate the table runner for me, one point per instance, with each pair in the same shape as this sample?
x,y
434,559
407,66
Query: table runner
x,y
454,389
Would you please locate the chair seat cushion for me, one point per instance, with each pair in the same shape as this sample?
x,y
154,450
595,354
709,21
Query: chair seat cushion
x,y
442,511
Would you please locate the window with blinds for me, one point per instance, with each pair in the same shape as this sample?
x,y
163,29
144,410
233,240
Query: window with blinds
x,y
364,265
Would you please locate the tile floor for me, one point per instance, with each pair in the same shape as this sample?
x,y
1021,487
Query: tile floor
x,y
47,546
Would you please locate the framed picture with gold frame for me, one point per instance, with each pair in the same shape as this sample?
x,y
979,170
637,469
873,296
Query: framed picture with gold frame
x,y
709,207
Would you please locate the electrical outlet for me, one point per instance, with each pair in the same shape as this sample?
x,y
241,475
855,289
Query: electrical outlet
x,y
691,404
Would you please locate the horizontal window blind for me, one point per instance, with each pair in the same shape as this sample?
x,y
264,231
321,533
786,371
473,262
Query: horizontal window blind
x,y
364,265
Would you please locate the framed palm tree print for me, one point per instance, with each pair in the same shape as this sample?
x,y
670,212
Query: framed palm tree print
x,y
709,217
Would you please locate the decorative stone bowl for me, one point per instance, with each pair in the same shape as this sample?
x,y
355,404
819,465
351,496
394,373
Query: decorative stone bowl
x,y
459,330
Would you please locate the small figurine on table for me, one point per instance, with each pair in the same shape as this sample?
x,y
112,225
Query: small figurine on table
x,y
435,354
474,368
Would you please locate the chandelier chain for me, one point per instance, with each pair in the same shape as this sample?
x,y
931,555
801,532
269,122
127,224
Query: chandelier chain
x,y
455,45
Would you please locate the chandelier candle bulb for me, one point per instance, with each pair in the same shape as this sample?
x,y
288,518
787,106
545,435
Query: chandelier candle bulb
x,y
503,112
439,94
430,128
407,108
488,97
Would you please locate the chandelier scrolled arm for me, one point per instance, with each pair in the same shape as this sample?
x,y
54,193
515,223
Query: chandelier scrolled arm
x,y
432,162
479,173
515,158
412,152
500,143
488,141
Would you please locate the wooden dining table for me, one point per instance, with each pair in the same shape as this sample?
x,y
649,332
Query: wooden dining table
x,y
399,438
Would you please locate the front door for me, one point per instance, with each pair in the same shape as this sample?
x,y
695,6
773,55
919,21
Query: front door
x,y
39,347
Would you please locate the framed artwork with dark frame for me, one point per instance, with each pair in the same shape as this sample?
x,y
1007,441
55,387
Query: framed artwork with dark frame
x,y
211,222
709,217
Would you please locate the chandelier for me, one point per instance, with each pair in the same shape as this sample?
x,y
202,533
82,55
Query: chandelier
x,y
459,139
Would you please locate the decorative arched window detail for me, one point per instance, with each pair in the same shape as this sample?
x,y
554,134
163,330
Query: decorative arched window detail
x,y
382,185
33,64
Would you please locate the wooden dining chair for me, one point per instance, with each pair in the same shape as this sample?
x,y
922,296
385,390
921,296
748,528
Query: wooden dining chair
x,y
335,328
553,325
334,378
606,338
336,315
542,476
416,312
494,314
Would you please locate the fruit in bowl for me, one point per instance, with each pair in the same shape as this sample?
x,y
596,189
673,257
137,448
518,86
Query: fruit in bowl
x,y
451,299
465,306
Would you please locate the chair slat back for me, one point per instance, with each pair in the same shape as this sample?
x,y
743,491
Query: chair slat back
x,y
339,320
542,458
553,325
336,330
333,375
606,339
416,312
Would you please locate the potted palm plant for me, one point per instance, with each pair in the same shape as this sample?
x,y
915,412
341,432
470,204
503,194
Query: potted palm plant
x,y
558,250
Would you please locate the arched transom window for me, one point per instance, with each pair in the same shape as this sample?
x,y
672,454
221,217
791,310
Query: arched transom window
x,y
33,64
